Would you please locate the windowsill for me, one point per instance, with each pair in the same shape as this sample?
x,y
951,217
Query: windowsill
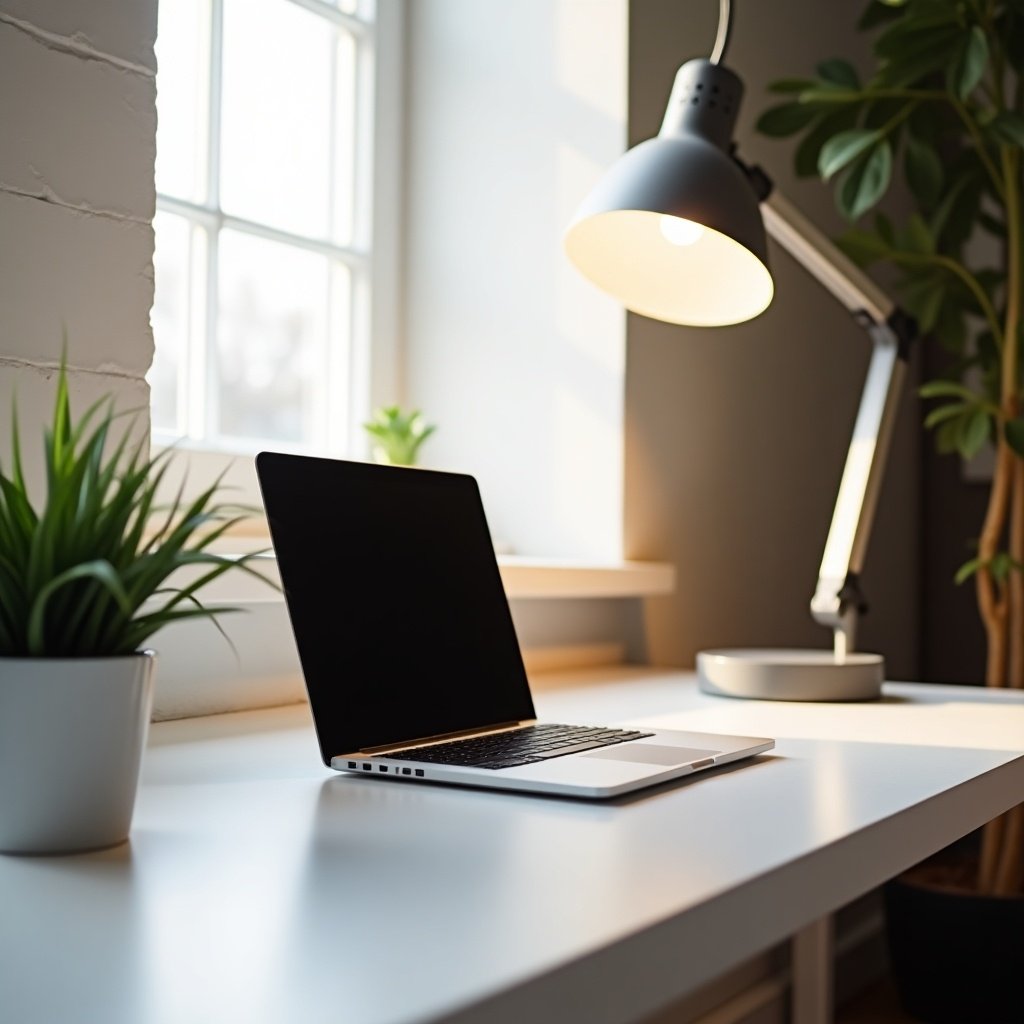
x,y
201,674
543,577
524,577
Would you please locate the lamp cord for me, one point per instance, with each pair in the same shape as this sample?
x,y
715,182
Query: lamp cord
x,y
722,37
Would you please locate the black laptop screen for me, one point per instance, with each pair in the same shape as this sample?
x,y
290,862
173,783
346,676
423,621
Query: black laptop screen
x,y
397,606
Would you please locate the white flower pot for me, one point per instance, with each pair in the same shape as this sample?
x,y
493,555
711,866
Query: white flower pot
x,y
72,731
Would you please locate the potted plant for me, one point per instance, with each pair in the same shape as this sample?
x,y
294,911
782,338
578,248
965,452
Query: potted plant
x,y
397,435
944,110
83,585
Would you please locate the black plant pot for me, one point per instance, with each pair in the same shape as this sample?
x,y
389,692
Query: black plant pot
x,y
957,957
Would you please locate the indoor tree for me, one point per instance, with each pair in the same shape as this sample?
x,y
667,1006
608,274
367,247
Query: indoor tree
x,y
943,109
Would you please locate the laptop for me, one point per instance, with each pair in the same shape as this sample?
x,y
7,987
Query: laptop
x,y
408,649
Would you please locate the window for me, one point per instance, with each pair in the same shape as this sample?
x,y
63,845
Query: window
x,y
263,258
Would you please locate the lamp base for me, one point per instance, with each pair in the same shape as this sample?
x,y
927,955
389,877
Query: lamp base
x,y
790,675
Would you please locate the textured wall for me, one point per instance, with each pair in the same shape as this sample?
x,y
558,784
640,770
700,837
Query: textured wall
x,y
78,124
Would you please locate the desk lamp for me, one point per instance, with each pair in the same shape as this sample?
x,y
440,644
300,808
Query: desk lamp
x,y
675,231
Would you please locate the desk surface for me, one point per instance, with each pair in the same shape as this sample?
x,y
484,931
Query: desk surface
x,y
260,887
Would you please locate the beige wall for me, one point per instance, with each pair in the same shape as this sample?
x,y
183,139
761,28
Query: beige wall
x,y
736,437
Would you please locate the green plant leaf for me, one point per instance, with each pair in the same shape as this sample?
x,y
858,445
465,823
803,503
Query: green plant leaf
x,y
786,119
967,570
927,304
1008,127
844,148
866,181
1002,565
1013,430
923,171
943,413
99,570
878,12
967,69
917,45
946,388
947,436
805,160
825,95
975,430
863,247
790,85
838,72
953,220
918,238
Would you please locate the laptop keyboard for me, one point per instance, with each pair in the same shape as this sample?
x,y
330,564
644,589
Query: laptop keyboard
x,y
519,746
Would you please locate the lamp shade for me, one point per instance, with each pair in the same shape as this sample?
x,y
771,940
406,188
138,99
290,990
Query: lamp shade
x,y
673,230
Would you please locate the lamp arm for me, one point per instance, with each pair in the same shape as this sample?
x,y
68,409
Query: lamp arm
x,y
837,601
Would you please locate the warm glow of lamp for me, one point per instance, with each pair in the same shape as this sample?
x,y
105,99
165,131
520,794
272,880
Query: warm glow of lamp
x,y
670,268
679,230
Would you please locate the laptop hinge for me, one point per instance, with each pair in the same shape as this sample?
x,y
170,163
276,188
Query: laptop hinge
x,y
441,737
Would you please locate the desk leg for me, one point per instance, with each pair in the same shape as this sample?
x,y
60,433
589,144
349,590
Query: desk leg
x,y
812,951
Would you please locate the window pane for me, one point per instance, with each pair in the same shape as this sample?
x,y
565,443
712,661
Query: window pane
x,y
271,340
343,182
339,359
181,98
276,115
170,318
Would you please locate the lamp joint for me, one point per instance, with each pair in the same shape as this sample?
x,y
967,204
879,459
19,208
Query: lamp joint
x,y
758,178
904,327
835,601
851,595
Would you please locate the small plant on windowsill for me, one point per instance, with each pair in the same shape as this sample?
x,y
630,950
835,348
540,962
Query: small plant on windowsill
x,y
84,583
397,436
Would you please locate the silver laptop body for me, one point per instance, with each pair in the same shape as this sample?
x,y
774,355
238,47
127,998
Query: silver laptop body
x,y
407,645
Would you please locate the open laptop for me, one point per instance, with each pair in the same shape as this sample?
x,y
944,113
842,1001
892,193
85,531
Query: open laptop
x,y
408,649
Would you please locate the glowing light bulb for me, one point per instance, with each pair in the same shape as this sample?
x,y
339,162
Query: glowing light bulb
x,y
679,231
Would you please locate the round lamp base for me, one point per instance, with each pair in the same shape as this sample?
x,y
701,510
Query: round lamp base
x,y
790,675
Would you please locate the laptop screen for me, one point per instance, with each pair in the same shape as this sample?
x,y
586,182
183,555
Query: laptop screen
x,y
396,603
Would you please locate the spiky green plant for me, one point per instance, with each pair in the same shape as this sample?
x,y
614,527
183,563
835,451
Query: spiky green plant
x,y
398,435
86,573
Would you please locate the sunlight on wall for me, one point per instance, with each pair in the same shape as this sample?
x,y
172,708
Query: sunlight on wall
x,y
590,44
514,111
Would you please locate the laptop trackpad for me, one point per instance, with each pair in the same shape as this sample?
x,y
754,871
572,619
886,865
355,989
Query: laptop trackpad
x,y
651,753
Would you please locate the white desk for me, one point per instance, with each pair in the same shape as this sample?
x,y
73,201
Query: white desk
x,y
260,887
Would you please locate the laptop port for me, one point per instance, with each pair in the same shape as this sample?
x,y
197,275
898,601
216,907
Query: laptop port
x,y
382,767
367,767
419,772
407,771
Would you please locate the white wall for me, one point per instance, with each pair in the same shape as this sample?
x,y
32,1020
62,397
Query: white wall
x,y
78,128
514,110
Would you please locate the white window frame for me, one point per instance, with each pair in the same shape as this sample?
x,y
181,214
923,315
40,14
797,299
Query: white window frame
x,y
373,373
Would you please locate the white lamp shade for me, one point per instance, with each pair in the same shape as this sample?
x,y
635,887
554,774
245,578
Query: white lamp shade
x,y
673,231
